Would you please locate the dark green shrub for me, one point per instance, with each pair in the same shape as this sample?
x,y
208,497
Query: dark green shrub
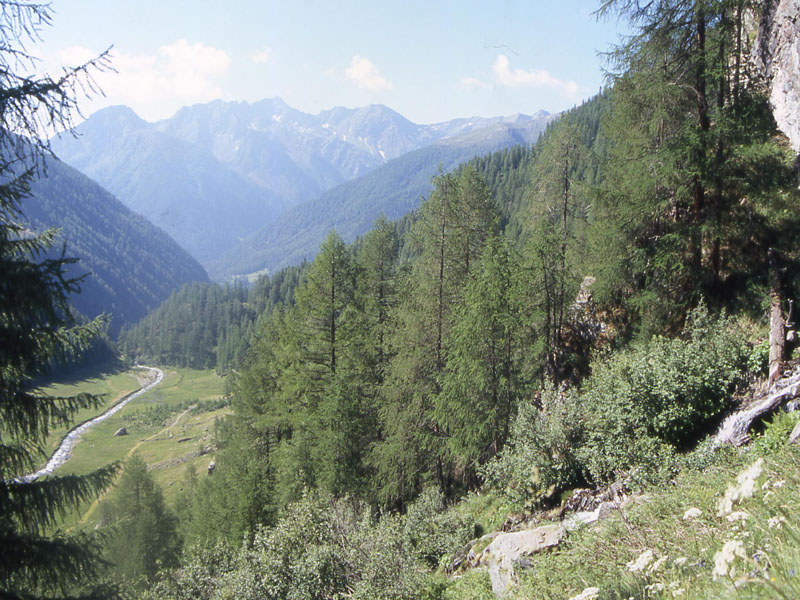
x,y
296,559
541,455
643,403
434,531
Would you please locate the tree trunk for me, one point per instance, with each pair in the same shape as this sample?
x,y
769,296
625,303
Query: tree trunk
x,y
777,323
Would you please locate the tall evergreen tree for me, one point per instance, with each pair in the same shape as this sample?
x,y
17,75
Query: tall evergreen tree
x,y
681,216
557,210
377,293
145,531
35,329
483,377
452,227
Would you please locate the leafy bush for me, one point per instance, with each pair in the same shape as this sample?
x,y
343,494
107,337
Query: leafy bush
x,y
321,548
198,576
647,401
776,433
154,415
381,562
540,457
296,559
758,360
636,410
434,531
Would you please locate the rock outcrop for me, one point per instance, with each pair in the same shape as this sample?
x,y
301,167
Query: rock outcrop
x,y
777,57
509,549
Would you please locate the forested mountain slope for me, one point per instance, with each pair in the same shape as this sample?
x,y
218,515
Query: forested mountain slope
x,y
210,325
456,356
351,208
133,266
206,325
576,315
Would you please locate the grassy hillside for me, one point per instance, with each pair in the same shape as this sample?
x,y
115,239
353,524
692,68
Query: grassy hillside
x,y
751,553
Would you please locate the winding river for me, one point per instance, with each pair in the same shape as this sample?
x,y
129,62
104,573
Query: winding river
x,y
64,451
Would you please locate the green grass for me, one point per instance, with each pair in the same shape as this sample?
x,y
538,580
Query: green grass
x,y
184,437
111,387
598,555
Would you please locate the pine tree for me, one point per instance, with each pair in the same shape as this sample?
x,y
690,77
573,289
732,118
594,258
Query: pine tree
x,y
483,377
35,328
145,531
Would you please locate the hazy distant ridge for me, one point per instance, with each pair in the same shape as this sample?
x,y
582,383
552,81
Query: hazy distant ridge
x,y
215,175
351,208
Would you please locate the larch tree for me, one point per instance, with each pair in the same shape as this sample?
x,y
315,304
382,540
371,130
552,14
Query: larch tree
x,y
450,233
554,245
698,184
482,381
145,534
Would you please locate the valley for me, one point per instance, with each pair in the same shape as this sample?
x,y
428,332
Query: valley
x,y
171,427
246,187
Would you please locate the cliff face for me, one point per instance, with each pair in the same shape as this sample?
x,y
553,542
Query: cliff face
x,y
778,59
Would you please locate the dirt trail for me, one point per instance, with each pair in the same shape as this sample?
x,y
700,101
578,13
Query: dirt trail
x,y
135,447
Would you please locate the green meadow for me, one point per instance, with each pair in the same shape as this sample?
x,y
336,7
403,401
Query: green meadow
x,y
171,427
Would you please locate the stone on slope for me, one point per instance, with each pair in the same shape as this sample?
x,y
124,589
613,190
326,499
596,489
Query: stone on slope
x,y
795,435
507,549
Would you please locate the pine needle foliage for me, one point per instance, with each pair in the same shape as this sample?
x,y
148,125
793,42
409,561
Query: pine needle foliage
x,y
36,329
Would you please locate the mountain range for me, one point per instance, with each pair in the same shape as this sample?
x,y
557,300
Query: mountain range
x,y
351,208
236,183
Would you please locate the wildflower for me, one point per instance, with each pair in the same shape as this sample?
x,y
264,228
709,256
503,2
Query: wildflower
x,y
776,522
738,515
657,565
645,558
590,593
676,589
744,488
726,556
679,562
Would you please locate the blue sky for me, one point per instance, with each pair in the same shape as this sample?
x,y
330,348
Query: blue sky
x,y
431,61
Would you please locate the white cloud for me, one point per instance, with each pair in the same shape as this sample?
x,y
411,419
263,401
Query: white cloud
x,y
365,75
156,85
473,83
504,75
262,57
75,55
